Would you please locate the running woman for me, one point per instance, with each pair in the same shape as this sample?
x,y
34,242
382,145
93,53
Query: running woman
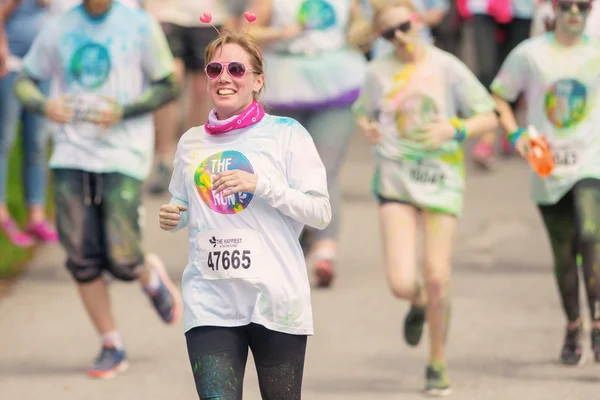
x,y
245,184
113,68
407,110
558,73
315,76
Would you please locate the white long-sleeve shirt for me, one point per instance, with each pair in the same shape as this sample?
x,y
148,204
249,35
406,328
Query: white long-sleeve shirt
x,y
245,261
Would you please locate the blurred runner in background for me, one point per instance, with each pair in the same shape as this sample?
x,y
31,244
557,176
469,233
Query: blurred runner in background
x,y
558,73
314,77
408,110
113,68
187,37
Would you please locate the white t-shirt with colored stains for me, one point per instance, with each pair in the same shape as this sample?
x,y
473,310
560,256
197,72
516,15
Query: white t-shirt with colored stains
x,y
404,99
245,261
91,61
561,88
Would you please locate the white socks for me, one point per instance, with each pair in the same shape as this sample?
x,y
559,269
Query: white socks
x,y
154,283
112,339
153,262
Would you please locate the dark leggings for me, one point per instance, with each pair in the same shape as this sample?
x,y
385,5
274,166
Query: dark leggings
x,y
218,357
573,226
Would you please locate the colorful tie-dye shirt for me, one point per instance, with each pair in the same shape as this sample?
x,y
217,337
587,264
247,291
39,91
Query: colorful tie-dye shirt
x,y
245,262
561,89
114,57
404,99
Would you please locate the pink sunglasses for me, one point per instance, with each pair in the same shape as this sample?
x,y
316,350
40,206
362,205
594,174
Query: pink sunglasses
x,y
235,69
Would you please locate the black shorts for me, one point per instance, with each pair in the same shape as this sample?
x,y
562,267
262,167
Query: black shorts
x,y
384,200
98,222
189,43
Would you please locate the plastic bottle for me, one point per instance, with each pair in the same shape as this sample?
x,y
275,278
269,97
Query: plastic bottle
x,y
540,155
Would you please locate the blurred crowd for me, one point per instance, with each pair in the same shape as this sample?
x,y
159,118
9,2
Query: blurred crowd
x,y
491,29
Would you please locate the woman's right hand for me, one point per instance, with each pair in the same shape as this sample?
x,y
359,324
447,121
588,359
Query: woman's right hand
x,y
370,128
170,215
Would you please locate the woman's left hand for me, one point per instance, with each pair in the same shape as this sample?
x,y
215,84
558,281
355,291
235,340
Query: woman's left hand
x,y
234,181
435,133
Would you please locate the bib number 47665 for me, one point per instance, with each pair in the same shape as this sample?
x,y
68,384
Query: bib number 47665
x,y
229,259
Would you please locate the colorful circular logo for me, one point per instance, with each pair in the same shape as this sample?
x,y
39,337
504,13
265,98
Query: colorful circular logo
x,y
213,165
90,65
415,112
565,103
316,14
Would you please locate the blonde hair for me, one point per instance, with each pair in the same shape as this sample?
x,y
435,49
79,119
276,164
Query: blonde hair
x,y
246,42
381,6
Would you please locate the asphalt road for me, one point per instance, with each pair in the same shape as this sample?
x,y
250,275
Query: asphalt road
x,y
505,337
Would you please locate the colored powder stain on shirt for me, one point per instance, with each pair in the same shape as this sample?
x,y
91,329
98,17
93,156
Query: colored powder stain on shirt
x,y
400,81
284,121
455,158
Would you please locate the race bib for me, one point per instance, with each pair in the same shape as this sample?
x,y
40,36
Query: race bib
x,y
86,108
567,158
426,174
229,254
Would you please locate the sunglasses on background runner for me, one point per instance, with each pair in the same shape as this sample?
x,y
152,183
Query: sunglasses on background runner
x,y
566,6
390,34
236,69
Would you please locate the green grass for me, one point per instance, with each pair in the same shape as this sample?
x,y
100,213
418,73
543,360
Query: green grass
x,y
12,259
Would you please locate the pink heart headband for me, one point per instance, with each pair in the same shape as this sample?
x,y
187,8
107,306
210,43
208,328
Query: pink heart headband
x,y
207,18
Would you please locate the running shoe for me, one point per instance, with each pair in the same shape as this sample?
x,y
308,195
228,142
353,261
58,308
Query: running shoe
x,y
437,380
108,363
596,344
15,235
571,353
413,325
166,299
483,155
43,231
160,183
324,271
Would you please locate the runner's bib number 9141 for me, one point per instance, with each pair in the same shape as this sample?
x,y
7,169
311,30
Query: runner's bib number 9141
x,y
229,254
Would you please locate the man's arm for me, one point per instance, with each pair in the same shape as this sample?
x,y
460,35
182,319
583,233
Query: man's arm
x,y
3,45
159,93
29,94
